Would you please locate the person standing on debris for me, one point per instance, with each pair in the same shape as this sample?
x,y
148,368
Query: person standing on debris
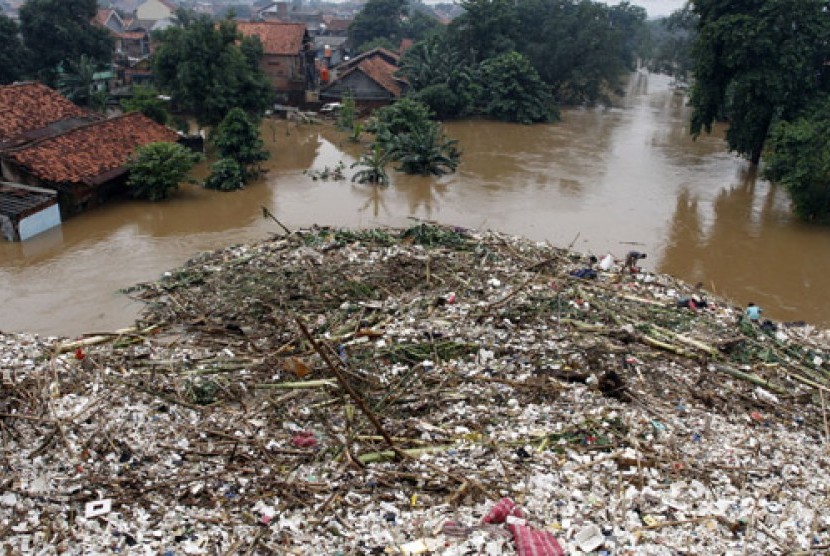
x,y
753,313
631,261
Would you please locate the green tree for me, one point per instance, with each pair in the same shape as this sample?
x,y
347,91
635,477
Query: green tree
x,y
237,138
373,167
76,81
515,93
347,113
209,69
146,100
13,58
379,19
442,100
157,169
798,157
487,28
225,175
673,38
398,118
440,77
579,48
425,151
60,31
756,61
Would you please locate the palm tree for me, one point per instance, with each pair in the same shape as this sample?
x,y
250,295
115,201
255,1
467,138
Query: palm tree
x,y
77,82
374,167
426,151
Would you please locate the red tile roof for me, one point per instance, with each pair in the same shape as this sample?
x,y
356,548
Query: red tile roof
x,y
381,72
85,153
338,25
30,106
281,39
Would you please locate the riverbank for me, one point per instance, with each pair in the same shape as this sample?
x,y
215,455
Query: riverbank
x,y
378,391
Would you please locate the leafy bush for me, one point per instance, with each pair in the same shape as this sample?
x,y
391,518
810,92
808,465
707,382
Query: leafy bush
x,y
798,158
237,137
515,92
157,169
225,175
441,100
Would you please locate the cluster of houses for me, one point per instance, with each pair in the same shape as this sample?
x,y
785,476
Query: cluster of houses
x,y
57,159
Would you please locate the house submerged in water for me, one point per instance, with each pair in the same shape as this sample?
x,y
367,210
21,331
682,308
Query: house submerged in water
x,y
52,145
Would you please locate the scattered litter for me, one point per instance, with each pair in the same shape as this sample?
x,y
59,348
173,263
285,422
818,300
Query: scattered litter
x,y
406,423
97,508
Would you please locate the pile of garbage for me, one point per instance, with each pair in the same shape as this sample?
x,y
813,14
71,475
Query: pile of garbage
x,y
430,390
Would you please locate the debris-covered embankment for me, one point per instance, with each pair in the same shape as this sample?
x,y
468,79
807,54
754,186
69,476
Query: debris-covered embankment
x,y
378,391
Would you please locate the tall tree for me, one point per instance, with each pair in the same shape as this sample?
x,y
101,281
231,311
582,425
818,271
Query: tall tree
x,y
756,61
514,92
486,29
673,38
798,157
209,69
60,31
580,48
379,19
237,138
76,80
12,54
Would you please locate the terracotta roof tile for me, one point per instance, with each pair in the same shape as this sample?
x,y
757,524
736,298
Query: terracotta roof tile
x,y
84,153
30,106
381,72
338,25
281,39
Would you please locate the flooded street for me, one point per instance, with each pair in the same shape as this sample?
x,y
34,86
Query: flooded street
x,y
604,180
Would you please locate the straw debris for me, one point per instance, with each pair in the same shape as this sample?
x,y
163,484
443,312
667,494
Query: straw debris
x,y
370,391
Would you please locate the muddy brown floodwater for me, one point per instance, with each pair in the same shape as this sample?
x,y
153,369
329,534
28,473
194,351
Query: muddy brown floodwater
x,y
604,180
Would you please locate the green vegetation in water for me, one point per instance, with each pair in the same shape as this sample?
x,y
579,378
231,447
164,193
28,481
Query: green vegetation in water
x,y
436,236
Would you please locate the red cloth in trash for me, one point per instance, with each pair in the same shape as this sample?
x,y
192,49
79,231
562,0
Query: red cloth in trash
x,y
532,542
501,510
304,439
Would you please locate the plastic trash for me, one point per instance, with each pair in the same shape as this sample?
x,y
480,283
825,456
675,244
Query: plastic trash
x,y
607,262
589,538
504,508
532,542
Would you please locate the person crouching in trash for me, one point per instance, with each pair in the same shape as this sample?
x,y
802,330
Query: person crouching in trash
x,y
631,261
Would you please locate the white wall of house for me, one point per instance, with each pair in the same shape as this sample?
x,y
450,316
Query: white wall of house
x,y
39,222
153,9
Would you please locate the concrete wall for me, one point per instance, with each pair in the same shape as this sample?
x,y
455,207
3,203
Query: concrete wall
x,y
39,222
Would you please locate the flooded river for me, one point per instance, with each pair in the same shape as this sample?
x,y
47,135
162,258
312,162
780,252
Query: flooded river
x,y
604,180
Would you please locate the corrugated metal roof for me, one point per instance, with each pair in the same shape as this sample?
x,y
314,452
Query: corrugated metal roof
x,y
17,200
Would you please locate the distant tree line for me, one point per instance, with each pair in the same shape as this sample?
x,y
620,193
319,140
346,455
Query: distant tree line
x,y
510,60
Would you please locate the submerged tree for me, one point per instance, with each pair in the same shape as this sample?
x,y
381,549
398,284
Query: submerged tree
x,y
515,93
798,157
373,167
756,62
225,175
238,139
425,151
157,169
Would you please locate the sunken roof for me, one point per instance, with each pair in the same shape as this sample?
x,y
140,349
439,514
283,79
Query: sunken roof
x,y
18,201
26,107
380,71
281,39
85,154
